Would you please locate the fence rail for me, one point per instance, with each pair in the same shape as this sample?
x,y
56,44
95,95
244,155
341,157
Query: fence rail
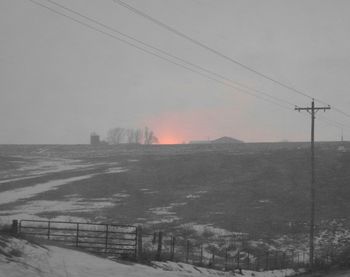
x,y
129,241
107,239
214,254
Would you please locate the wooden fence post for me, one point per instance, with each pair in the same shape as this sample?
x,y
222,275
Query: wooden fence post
x,y
267,261
48,229
238,259
298,259
248,261
14,229
275,260
226,258
201,258
106,241
77,237
139,242
159,249
187,250
172,249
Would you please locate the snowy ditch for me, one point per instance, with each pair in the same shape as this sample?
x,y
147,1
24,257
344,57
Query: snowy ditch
x,y
54,261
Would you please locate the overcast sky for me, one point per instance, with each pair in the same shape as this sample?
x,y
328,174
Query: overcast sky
x,y
60,80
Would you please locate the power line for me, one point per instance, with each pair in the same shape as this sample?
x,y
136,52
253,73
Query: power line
x,y
333,122
245,87
155,54
273,100
208,48
183,35
120,39
337,109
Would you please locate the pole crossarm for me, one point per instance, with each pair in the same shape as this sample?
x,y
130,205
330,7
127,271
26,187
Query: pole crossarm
x,y
309,109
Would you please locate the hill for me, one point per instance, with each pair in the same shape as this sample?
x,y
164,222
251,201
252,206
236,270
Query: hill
x,y
226,140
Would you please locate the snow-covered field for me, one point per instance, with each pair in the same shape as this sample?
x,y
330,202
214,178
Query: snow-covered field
x,y
206,198
20,258
28,192
32,167
22,199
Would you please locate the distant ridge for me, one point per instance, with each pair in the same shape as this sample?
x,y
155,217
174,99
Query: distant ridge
x,y
226,140
222,140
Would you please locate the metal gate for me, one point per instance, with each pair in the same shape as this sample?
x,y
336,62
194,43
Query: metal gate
x,y
108,239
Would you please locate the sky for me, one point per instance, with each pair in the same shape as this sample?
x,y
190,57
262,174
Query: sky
x,y
60,80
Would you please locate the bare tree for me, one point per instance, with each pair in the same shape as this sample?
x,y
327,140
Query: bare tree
x,y
154,139
138,136
116,135
146,135
130,135
121,135
149,137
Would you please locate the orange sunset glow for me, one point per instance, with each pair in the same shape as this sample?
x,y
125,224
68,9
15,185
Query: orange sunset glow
x,y
169,139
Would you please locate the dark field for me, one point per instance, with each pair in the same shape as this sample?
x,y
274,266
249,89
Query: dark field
x,y
261,189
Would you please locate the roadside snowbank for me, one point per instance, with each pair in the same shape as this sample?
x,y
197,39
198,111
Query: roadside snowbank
x,y
20,258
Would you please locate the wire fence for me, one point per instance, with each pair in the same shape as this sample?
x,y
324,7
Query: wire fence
x,y
107,239
131,242
219,254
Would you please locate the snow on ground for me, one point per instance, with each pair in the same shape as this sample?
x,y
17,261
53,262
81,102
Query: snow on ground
x,y
116,170
35,167
20,258
201,228
148,191
18,179
28,192
7,220
73,205
121,195
164,214
192,196
52,165
196,195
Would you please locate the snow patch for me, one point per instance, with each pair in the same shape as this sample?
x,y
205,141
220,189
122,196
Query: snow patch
x,y
73,205
121,195
116,170
28,192
163,214
192,196
21,258
265,201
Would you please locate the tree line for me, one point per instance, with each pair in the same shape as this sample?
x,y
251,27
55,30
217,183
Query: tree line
x,y
126,135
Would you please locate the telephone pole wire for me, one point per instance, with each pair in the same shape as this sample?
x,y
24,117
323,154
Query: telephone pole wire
x,y
312,111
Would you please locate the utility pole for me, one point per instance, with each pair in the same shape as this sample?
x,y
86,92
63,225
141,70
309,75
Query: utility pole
x,y
312,111
342,135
